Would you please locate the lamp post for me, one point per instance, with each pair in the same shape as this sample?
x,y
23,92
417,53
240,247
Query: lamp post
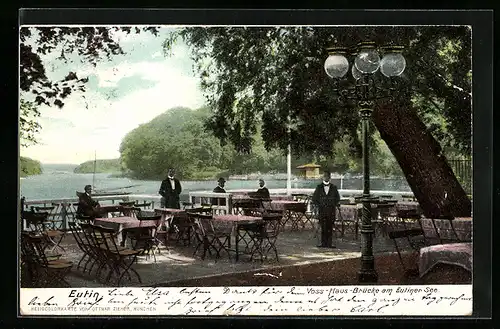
x,y
365,88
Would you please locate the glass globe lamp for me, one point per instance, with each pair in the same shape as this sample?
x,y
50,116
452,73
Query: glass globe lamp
x,y
393,63
336,65
368,60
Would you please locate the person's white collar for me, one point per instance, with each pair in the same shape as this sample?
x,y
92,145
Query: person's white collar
x,y
170,177
326,183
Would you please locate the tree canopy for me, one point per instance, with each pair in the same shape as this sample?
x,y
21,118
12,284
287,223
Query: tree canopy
x,y
101,166
177,138
28,167
91,44
275,75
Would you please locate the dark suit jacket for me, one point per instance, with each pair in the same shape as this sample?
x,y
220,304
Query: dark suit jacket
x,y
326,203
86,205
172,196
219,189
263,193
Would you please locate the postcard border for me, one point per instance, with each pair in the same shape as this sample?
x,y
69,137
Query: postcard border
x,y
482,76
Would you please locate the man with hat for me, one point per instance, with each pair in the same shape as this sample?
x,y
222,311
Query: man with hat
x,y
219,189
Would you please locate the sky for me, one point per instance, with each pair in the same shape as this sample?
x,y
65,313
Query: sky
x,y
121,94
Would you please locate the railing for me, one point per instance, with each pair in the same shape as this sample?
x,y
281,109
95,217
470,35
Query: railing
x,y
463,171
204,197
221,202
64,209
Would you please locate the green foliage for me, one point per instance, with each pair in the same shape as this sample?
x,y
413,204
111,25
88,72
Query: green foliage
x,y
267,74
28,126
91,44
28,166
178,139
101,166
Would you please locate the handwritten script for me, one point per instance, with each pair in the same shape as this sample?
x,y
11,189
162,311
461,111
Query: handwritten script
x,y
277,300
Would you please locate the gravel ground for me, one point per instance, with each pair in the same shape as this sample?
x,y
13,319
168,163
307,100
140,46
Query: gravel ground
x,y
300,263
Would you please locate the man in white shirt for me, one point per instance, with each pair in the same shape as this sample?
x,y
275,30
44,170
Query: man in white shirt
x,y
326,198
170,191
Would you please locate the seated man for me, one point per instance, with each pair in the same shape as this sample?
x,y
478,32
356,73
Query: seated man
x,y
219,189
86,205
262,192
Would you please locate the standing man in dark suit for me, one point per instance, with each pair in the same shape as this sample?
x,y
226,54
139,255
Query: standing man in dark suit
x,y
219,189
170,191
326,198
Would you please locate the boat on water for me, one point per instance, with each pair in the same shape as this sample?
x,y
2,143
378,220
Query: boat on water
x,y
97,192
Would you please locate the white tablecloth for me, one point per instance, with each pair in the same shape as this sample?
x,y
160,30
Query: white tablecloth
x,y
459,254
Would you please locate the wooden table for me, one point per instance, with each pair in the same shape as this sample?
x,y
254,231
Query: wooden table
x,y
168,214
272,197
237,221
121,224
293,211
459,254
107,209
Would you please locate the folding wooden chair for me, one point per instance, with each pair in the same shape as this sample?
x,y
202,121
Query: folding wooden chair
x,y
37,223
144,237
53,221
241,206
209,237
29,268
120,260
182,227
348,220
50,272
445,234
96,254
308,215
407,227
295,214
264,237
78,235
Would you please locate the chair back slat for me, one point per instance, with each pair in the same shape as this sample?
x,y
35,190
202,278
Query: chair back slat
x,y
204,223
77,233
107,237
38,247
200,210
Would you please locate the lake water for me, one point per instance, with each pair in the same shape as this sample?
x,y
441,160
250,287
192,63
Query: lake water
x,y
59,181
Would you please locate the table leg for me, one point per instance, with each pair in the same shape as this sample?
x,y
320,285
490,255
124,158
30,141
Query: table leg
x,y
237,235
124,238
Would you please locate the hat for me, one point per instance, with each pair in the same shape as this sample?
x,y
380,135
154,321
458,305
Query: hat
x,y
221,180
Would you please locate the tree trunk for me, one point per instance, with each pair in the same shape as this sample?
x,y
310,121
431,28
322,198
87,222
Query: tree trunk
x,y
419,155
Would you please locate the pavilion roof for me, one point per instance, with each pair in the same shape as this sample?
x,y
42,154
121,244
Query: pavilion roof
x,y
309,165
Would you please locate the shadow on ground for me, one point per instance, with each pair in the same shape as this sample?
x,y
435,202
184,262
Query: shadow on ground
x,y
300,263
